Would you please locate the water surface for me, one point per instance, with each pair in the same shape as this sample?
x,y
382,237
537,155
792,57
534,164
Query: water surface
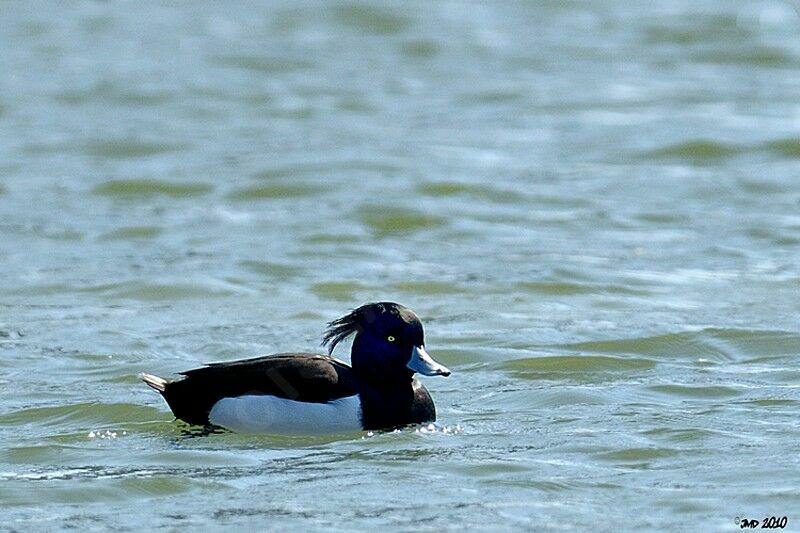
x,y
592,205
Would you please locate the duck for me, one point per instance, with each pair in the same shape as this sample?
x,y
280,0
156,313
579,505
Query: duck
x,y
310,393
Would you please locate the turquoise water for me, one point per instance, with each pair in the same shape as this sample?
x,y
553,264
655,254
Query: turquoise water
x,y
594,207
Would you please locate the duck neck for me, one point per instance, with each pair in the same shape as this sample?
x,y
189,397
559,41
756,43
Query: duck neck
x,y
384,379
369,370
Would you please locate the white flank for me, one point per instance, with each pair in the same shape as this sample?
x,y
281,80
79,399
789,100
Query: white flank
x,y
273,415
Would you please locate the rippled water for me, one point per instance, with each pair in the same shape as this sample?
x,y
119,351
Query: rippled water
x,y
593,206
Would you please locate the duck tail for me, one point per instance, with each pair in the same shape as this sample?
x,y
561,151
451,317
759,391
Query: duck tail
x,y
154,382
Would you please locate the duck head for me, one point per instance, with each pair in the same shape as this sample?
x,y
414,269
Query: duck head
x,y
389,342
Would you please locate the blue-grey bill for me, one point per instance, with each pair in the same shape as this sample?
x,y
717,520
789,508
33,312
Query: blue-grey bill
x,y
423,363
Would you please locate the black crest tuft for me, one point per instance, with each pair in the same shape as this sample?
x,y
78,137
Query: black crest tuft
x,y
343,327
339,329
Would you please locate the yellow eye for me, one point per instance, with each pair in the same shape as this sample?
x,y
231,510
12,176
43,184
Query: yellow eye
x,y
390,338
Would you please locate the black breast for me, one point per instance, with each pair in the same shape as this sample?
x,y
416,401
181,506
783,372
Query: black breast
x,y
396,405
